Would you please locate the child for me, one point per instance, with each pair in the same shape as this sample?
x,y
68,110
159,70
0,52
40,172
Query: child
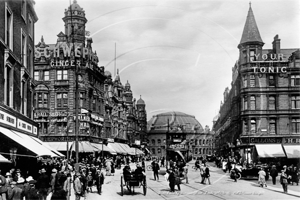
x,y
89,182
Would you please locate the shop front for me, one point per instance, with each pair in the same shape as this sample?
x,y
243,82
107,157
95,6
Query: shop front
x,y
270,150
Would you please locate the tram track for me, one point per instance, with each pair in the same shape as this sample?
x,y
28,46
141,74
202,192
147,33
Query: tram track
x,y
185,195
198,191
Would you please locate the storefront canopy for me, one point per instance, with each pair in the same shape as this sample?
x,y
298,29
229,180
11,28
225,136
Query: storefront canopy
x,y
48,147
59,146
3,160
84,147
136,151
104,147
269,150
116,146
27,142
292,151
126,148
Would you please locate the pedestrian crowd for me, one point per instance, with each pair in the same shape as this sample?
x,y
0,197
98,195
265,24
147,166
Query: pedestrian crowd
x,y
56,177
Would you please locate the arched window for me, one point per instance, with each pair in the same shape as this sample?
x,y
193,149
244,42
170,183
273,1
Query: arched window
x,y
153,151
200,141
196,151
196,142
153,142
158,150
158,141
199,150
203,141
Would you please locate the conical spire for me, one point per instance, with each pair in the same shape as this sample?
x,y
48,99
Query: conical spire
x,y
251,32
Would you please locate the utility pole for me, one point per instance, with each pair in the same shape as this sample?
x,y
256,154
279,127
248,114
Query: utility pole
x,y
167,143
76,91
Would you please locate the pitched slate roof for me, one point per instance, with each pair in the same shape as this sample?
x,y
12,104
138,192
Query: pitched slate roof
x,y
251,32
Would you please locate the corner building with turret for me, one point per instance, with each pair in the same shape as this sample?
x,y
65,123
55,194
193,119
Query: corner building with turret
x,y
259,118
69,66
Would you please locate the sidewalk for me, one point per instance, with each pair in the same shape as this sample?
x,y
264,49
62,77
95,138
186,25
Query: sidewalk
x,y
292,189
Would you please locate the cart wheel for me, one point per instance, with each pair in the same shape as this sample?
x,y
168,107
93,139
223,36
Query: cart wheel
x,y
238,176
122,186
149,167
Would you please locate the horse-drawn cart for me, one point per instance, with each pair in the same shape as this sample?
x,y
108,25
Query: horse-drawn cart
x,y
130,181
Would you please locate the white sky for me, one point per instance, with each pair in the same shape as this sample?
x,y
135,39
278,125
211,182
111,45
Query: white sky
x,y
177,54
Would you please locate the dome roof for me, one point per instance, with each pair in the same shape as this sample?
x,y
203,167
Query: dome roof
x,y
140,101
107,73
75,6
159,123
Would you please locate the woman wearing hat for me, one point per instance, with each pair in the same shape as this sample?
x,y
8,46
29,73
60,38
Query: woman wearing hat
x,y
284,179
262,178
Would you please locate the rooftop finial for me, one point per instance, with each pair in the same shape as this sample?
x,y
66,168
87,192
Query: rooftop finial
x,y
75,1
42,39
250,4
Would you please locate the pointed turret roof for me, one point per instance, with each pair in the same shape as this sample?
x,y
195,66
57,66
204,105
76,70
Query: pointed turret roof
x,y
251,32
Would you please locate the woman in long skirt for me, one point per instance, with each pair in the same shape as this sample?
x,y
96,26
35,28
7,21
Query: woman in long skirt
x,y
262,178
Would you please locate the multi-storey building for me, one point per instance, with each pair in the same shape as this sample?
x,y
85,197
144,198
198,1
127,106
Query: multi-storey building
x,y
201,145
259,117
173,133
62,69
69,66
18,131
124,118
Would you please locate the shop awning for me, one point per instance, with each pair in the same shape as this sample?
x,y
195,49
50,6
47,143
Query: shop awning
x,y
292,151
84,147
3,160
116,146
27,142
126,148
105,148
269,150
136,151
59,146
48,147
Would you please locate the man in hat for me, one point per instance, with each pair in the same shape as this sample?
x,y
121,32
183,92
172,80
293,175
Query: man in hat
x,y
26,187
155,168
171,180
77,186
99,181
15,193
32,192
43,184
274,174
8,178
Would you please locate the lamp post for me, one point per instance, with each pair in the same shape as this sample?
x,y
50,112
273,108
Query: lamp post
x,y
167,143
